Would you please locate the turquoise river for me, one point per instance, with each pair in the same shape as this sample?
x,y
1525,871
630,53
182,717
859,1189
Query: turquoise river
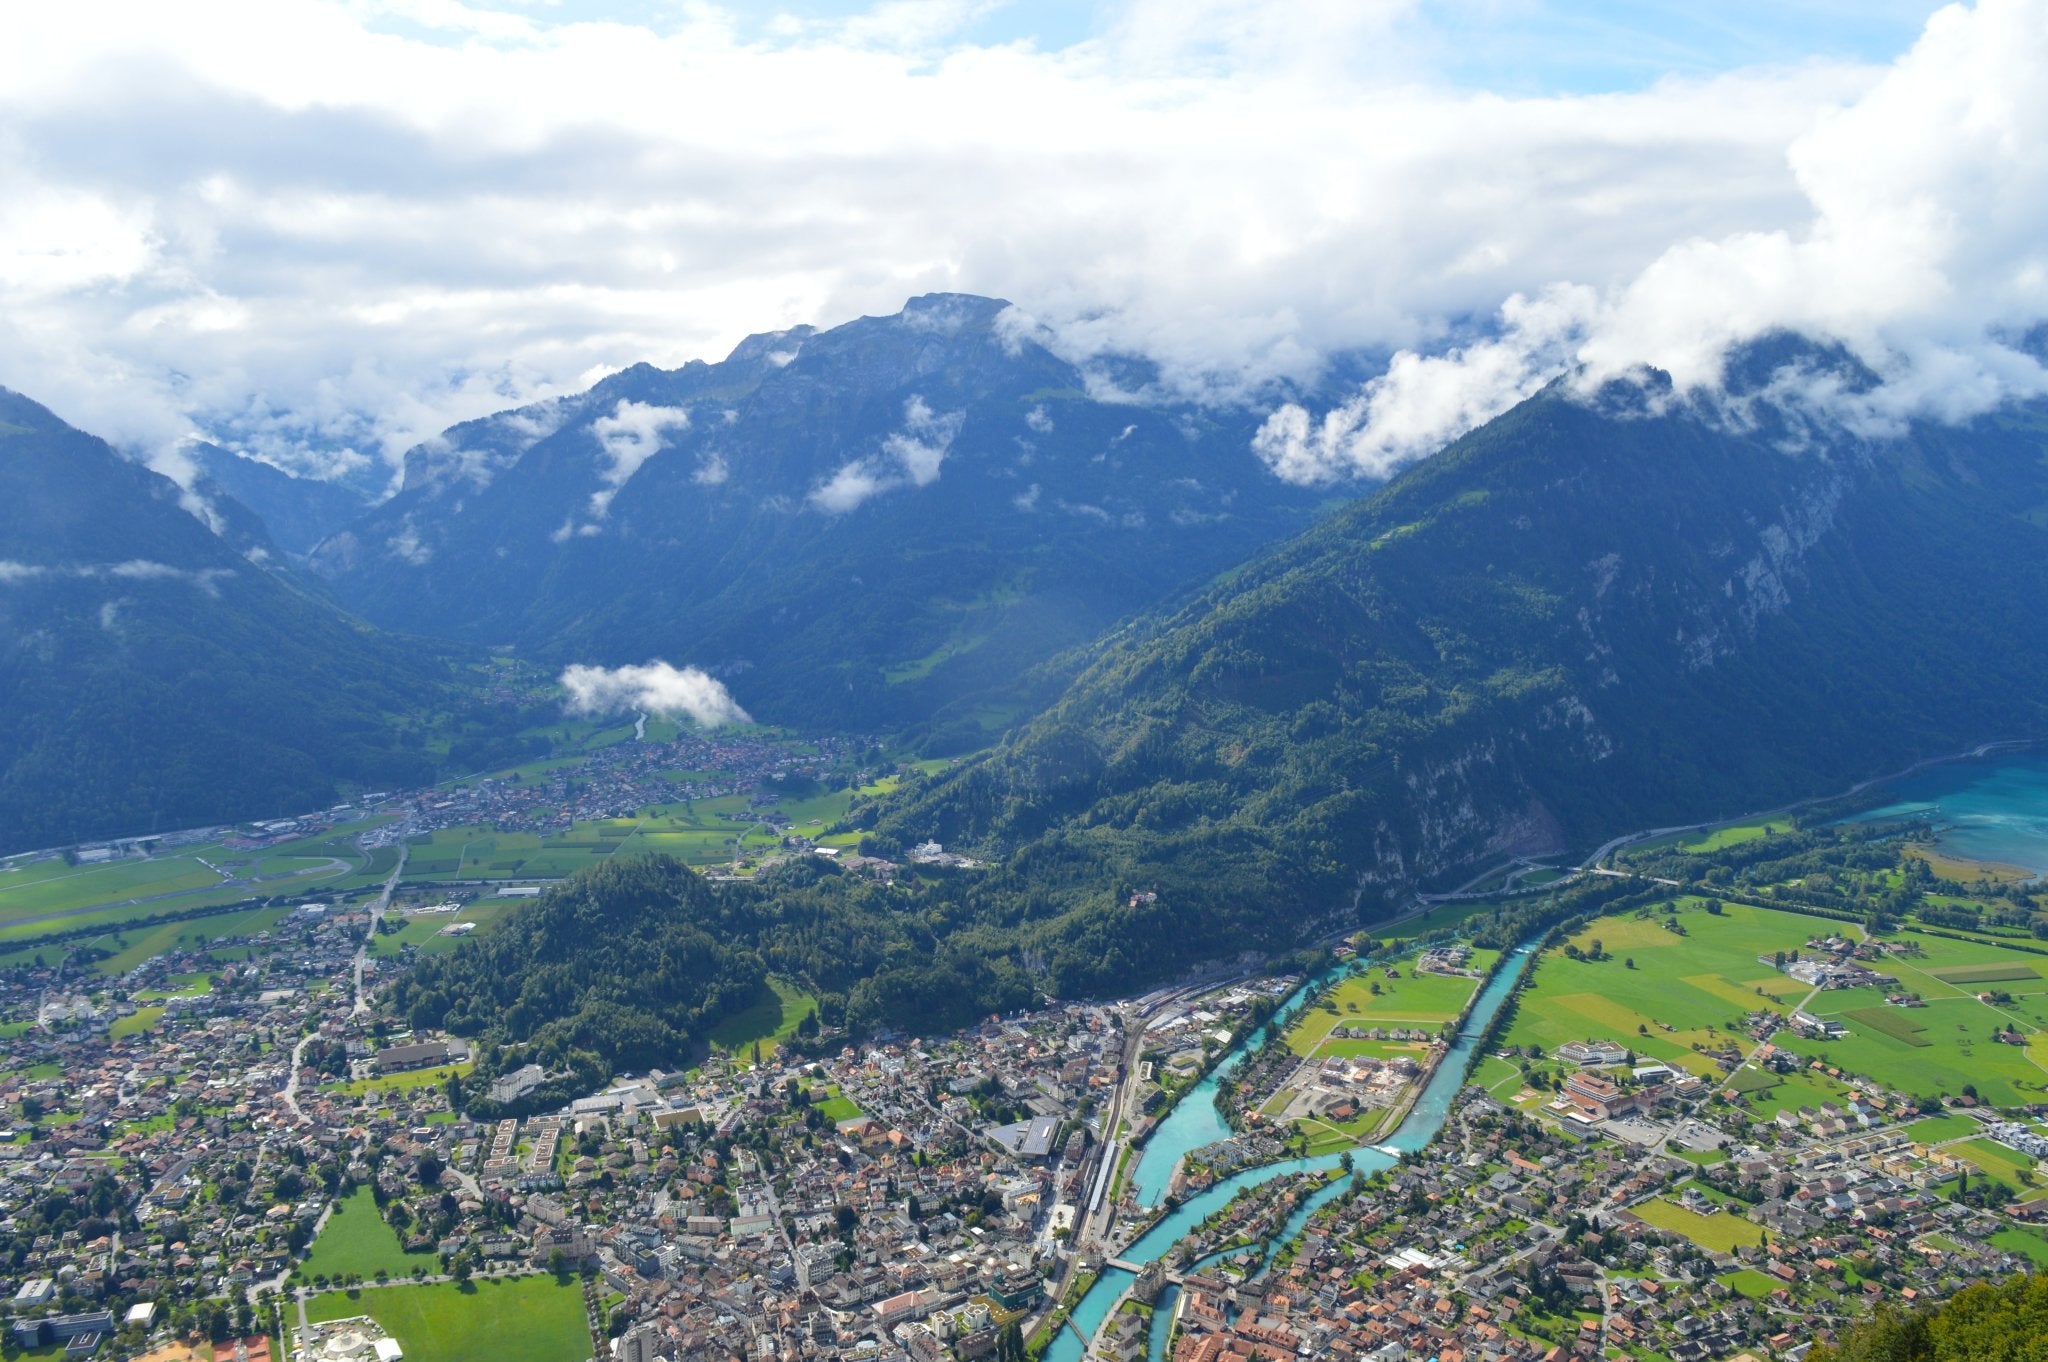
x,y
1194,1123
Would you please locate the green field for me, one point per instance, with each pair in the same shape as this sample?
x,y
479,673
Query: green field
x,y
423,931
1722,1233
1410,1000
53,887
133,945
2027,1242
770,1019
401,1082
356,1241
837,1108
1751,1284
1691,989
1935,1129
699,832
1995,1161
142,1019
1680,992
1934,1050
522,1319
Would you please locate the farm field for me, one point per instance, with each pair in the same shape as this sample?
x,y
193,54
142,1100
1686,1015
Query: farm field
x,y
356,1242
1722,1232
519,1319
1937,1048
1693,989
1370,998
1684,989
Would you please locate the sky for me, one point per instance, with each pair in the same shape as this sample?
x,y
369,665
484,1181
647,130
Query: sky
x,y
323,230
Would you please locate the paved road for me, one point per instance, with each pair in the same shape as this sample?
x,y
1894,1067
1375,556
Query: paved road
x,y
376,920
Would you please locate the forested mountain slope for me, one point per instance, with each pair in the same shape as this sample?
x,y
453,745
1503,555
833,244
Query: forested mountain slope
x,y
155,677
1579,620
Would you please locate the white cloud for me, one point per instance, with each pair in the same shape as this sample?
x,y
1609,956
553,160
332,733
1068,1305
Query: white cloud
x,y
849,487
656,687
425,231
207,580
1923,250
1421,402
327,236
711,470
909,457
630,436
920,447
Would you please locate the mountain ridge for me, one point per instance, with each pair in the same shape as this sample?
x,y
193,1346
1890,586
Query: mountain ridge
x,y
883,524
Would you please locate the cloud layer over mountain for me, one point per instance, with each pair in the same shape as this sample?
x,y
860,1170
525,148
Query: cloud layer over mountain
x,y
329,230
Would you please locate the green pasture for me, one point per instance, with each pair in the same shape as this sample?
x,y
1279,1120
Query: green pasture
x,y
1410,1000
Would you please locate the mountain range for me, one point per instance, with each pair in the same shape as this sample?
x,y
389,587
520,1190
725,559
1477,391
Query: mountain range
x,y
882,526
1207,719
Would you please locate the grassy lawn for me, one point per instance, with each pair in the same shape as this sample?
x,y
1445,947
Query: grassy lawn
x,y
1935,1129
2022,1241
133,945
424,931
837,1108
356,1240
401,1082
52,886
1497,1076
2008,1166
1750,1284
1722,1233
142,1019
770,1019
523,1319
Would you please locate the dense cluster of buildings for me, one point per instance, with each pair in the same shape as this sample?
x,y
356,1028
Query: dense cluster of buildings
x,y
1515,1238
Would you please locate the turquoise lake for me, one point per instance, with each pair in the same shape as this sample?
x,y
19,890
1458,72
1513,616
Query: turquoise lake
x,y
1994,809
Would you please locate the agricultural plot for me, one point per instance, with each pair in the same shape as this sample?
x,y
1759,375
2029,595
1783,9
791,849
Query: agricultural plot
x,y
1683,990
518,1319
